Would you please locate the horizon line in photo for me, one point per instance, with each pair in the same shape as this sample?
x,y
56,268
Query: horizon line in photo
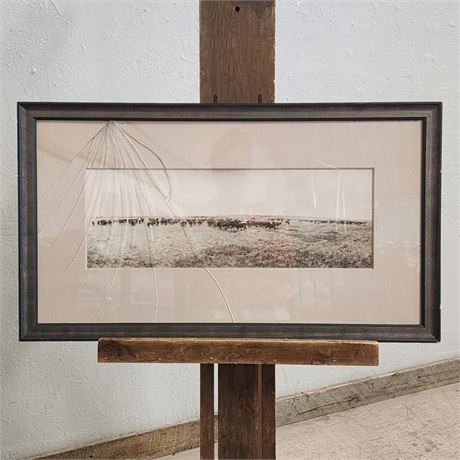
x,y
233,216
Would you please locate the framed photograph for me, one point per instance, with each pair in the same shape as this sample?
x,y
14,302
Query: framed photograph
x,y
192,220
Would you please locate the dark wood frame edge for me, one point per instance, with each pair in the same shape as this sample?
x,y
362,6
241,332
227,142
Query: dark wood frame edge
x,y
430,113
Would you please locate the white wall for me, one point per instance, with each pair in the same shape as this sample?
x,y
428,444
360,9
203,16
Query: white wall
x,y
54,395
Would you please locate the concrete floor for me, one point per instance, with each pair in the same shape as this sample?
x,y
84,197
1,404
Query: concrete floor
x,y
422,425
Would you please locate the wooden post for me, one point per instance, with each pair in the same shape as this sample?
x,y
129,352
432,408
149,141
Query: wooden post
x,y
237,64
243,425
237,51
206,411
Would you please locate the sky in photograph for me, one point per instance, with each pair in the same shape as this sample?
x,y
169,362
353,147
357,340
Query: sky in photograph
x,y
309,193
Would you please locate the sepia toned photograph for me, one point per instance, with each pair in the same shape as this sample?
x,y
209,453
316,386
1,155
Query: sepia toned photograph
x,y
224,218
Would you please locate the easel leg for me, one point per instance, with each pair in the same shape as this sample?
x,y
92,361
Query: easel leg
x,y
246,411
237,64
268,411
206,411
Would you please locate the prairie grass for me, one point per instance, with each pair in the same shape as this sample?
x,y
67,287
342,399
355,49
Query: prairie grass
x,y
294,244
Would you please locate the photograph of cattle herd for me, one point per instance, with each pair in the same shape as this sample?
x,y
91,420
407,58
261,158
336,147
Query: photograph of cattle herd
x,y
334,231
228,241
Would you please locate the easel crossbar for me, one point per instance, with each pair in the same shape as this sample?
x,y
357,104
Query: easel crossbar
x,y
238,351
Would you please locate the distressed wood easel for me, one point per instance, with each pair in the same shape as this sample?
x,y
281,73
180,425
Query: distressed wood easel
x,y
237,65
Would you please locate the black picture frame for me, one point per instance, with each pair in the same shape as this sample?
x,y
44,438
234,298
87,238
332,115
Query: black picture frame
x,y
429,113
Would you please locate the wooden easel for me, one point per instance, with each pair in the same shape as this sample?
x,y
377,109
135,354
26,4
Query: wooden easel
x,y
246,383
237,65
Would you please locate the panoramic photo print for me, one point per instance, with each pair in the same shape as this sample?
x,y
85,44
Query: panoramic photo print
x,y
224,218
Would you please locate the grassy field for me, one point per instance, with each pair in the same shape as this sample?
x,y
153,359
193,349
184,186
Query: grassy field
x,y
294,243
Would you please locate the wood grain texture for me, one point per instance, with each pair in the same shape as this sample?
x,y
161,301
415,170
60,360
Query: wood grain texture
x,y
268,413
337,398
237,51
289,409
237,351
207,425
143,446
240,412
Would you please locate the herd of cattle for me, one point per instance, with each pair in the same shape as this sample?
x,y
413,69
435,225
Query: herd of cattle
x,y
221,223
